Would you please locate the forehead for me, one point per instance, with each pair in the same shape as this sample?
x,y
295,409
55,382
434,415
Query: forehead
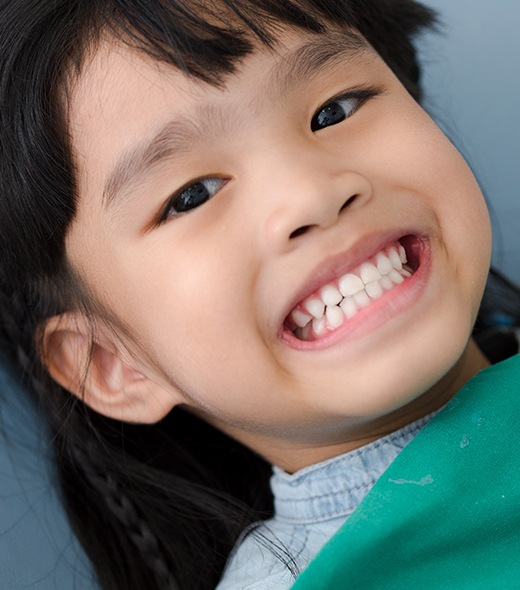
x,y
115,65
123,98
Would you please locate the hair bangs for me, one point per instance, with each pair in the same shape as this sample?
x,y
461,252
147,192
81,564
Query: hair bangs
x,y
208,39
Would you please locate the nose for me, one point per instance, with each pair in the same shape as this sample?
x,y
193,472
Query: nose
x,y
304,200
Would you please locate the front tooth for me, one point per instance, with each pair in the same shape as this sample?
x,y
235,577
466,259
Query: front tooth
x,y
319,326
396,277
402,254
349,307
330,295
361,299
369,273
395,259
374,290
334,317
315,307
350,284
300,318
384,266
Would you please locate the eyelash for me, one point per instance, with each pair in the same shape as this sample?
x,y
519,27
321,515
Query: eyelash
x,y
199,187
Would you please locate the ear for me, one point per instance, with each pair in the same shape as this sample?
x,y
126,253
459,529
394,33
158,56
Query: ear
x,y
100,371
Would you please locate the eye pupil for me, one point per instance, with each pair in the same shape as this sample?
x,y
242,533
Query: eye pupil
x,y
329,115
195,195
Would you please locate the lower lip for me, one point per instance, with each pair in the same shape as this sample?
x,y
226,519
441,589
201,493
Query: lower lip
x,y
392,304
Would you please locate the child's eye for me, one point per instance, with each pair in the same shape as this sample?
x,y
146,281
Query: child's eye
x,y
340,107
193,195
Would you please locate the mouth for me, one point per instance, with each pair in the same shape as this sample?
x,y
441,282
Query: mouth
x,y
335,303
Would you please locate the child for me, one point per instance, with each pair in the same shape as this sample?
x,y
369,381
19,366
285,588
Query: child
x,y
233,221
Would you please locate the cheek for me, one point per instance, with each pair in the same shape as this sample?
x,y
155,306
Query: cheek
x,y
461,210
416,159
187,306
416,156
187,299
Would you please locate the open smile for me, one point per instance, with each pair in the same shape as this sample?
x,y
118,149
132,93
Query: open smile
x,y
354,294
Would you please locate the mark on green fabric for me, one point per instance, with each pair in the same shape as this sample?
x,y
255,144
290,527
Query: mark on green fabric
x,y
425,481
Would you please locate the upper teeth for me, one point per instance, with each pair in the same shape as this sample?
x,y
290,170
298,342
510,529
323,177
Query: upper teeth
x,y
337,301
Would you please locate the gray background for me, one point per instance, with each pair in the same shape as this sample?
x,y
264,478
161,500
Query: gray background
x,y
472,83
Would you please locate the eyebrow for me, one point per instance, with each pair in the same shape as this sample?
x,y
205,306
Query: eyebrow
x,y
171,141
322,52
179,135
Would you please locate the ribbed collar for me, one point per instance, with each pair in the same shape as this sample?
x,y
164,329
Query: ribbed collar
x,y
335,487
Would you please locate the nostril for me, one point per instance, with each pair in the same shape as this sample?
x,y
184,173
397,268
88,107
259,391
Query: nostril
x,y
348,202
300,231
305,228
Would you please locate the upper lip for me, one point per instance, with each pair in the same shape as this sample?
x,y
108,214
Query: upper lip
x,y
337,265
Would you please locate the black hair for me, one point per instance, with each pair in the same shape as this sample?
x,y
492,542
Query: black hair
x,y
154,506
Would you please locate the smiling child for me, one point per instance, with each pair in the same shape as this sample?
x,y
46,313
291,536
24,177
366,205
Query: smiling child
x,y
234,214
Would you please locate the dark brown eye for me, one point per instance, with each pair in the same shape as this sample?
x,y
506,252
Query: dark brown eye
x,y
342,106
334,112
194,195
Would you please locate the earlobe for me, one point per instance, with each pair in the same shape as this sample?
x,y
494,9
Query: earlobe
x,y
102,374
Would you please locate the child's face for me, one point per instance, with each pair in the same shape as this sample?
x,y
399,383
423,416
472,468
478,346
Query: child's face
x,y
287,197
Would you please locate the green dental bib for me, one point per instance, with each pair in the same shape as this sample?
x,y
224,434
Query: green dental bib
x,y
446,513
